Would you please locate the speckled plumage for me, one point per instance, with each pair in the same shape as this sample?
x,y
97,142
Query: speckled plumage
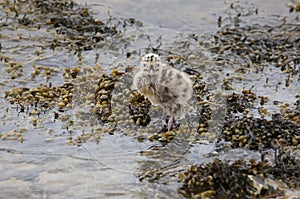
x,y
164,86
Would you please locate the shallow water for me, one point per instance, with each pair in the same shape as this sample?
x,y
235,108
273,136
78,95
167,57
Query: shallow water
x,y
184,16
44,165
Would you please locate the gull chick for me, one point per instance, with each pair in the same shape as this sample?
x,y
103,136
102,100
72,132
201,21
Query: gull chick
x,y
164,86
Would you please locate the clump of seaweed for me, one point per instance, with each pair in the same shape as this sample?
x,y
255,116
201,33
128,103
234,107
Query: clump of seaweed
x,y
77,29
103,94
256,46
42,98
238,103
240,179
139,109
256,133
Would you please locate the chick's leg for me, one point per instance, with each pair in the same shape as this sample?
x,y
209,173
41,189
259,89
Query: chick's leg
x,y
170,122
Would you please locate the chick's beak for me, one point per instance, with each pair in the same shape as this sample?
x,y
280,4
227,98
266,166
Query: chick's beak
x,y
151,68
